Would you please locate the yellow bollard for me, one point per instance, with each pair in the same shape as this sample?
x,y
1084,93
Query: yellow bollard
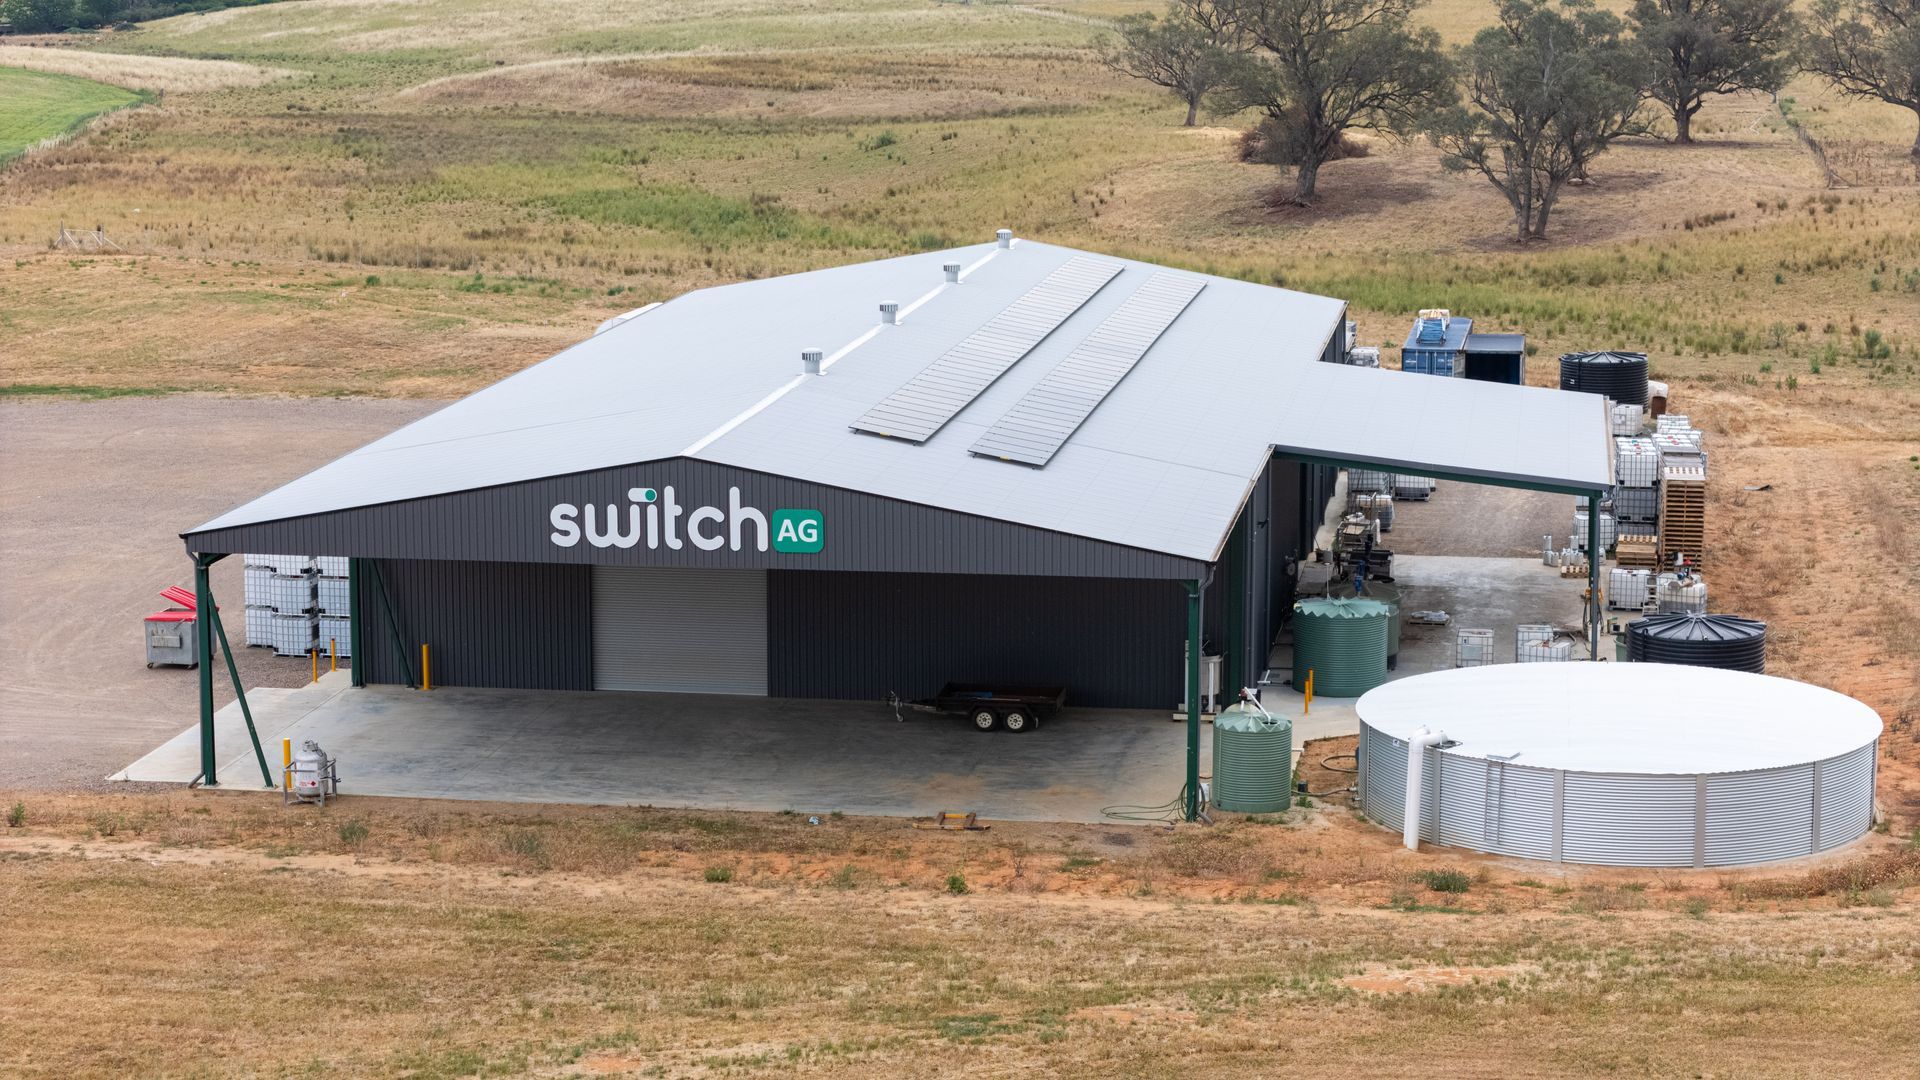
x,y
314,655
426,679
333,654
286,763
1307,709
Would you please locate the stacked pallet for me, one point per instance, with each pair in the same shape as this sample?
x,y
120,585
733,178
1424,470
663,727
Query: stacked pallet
x,y
1637,550
1683,514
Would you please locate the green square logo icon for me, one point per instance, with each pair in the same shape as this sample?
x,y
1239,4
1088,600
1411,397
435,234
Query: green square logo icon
x,y
800,532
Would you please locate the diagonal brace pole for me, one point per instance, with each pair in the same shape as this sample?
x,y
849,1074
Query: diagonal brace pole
x,y
240,692
393,622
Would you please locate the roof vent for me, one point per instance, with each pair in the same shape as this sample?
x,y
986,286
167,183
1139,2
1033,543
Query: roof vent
x,y
890,312
1005,236
810,359
953,271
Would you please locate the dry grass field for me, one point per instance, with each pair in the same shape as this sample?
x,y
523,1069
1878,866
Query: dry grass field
x,y
206,934
413,199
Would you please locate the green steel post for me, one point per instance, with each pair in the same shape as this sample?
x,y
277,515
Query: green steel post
x,y
203,653
353,624
393,623
1193,699
240,693
1593,576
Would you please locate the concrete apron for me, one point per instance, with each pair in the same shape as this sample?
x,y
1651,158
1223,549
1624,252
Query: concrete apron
x,y
695,751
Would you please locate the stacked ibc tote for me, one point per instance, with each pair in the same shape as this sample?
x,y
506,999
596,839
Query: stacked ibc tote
x,y
298,604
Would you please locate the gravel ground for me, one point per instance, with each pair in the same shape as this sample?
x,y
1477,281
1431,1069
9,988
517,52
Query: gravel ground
x,y
1475,519
93,497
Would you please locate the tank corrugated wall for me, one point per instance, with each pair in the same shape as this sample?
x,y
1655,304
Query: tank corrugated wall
x,y
523,626
1616,819
857,636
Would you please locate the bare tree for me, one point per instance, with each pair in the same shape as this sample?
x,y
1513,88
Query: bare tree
x,y
1548,90
1187,52
1869,48
1703,47
1318,69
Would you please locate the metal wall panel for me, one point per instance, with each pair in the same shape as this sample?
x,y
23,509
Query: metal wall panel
x,y
1846,795
1615,819
680,631
523,626
863,532
859,636
1759,816
1386,765
1621,819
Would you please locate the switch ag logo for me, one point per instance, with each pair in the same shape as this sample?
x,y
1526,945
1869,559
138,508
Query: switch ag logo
x,y
800,532
656,517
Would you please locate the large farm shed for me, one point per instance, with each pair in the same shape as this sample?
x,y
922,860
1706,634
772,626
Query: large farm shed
x,y
1013,462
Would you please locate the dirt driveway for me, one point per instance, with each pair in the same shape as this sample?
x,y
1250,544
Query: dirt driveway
x,y
93,498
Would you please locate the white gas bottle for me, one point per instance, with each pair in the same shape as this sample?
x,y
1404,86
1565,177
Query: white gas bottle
x,y
309,770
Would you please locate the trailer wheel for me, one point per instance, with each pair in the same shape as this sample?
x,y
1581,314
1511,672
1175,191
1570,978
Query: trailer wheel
x,y
1017,720
985,719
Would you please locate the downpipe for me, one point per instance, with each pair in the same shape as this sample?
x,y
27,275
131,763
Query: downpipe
x,y
1416,765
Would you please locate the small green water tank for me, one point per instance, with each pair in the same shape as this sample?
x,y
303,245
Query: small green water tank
x,y
1389,595
1252,761
1343,642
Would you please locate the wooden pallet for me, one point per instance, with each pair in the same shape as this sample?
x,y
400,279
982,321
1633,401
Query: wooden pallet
x,y
1637,551
1683,514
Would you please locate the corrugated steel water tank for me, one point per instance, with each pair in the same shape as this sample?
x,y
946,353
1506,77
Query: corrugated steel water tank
x,y
1252,761
1621,376
1623,764
1716,641
1343,641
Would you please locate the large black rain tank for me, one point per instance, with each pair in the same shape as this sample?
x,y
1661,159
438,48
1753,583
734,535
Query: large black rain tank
x,y
1621,376
1716,641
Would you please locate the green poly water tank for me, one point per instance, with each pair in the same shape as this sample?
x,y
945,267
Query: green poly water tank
x,y
1252,761
1389,595
1343,641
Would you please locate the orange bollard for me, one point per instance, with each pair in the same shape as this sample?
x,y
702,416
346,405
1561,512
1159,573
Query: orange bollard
x,y
314,655
333,654
426,678
286,763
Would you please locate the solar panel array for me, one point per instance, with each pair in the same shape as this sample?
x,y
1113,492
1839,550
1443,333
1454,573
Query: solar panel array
x,y
931,398
1042,421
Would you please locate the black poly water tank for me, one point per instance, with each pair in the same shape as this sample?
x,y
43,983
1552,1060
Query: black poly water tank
x,y
1716,641
1621,376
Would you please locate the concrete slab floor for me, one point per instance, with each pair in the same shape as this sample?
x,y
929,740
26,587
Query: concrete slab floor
x,y
701,751
1477,592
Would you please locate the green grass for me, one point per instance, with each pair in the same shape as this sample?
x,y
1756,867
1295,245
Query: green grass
x,y
94,393
35,106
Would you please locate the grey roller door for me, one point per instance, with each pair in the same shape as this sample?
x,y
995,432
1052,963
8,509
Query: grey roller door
x,y
680,630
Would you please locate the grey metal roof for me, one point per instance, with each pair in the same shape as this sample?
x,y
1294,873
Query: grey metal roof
x,y
1163,463
1040,423
950,383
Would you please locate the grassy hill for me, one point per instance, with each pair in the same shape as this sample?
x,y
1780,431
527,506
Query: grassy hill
x,y
36,106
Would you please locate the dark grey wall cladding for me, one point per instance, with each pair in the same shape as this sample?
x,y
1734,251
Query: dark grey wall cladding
x,y
862,532
524,626
858,636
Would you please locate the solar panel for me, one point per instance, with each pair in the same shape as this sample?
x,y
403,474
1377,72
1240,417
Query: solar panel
x,y
1042,421
931,398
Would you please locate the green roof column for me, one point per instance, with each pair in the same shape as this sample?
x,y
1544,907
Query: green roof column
x,y
1192,792
203,655
1593,576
